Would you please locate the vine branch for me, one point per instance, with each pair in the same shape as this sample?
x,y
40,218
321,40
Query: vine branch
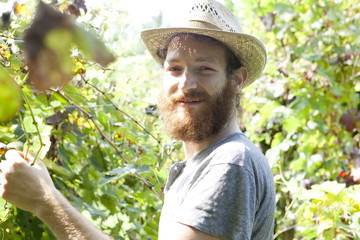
x,y
284,230
148,186
36,126
89,116
352,77
118,109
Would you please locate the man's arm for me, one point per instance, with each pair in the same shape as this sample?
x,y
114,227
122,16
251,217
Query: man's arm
x,y
31,188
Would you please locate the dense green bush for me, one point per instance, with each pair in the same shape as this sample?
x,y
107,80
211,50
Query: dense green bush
x,y
304,114
101,135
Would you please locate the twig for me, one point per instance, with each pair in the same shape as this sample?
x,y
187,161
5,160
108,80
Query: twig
x,y
352,77
148,186
107,139
36,126
23,126
284,230
24,80
89,116
118,109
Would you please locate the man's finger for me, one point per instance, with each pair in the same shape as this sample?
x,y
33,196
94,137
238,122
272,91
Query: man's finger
x,y
29,158
15,156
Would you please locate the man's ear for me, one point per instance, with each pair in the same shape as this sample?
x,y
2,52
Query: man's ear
x,y
240,76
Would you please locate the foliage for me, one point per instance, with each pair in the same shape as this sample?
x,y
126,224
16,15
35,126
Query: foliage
x,y
101,141
305,113
101,137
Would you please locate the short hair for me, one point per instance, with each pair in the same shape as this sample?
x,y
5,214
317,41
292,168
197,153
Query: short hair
x,y
232,62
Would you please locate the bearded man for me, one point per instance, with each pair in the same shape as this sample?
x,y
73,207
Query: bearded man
x,y
224,189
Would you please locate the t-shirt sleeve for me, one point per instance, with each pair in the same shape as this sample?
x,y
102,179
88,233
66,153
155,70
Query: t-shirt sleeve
x,y
222,202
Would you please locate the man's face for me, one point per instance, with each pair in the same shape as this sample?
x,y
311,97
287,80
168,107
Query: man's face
x,y
197,99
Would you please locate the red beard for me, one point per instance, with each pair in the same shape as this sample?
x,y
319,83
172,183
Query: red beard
x,y
195,125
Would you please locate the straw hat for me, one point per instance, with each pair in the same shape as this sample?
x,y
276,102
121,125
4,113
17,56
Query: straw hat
x,y
210,18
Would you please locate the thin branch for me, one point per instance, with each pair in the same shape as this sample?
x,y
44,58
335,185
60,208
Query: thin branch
x,y
118,109
148,186
352,77
36,126
7,37
284,230
25,132
24,80
89,116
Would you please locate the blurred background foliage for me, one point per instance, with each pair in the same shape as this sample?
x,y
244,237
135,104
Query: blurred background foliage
x,y
101,136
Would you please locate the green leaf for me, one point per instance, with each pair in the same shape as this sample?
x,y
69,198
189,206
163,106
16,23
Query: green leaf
x,y
9,98
15,62
98,160
55,103
5,209
95,213
328,223
284,11
59,40
292,124
92,47
120,171
28,124
332,187
104,118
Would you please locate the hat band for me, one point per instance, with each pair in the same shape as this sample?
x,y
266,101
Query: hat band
x,y
199,24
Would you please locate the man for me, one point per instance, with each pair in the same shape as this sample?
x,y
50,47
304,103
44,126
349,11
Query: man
x,y
224,189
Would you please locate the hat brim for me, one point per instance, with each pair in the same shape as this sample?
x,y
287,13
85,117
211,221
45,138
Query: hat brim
x,y
249,49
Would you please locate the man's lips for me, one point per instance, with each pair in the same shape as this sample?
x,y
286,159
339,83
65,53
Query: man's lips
x,y
188,102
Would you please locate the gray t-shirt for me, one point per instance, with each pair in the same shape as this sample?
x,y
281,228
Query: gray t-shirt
x,y
226,190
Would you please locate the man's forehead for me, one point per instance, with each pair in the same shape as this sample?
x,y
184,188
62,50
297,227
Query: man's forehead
x,y
175,57
196,48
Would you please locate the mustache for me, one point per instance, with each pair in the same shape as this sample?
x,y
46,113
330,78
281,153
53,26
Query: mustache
x,y
194,95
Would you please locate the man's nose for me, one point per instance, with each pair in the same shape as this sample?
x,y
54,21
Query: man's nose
x,y
187,81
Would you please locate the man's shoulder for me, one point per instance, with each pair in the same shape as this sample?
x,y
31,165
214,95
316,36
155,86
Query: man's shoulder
x,y
236,149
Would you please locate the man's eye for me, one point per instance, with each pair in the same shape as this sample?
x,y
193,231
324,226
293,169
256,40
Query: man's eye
x,y
174,69
204,68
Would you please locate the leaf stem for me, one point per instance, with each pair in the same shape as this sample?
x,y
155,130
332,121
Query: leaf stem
x,y
24,80
352,77
284,230
26,133
148,186
36,126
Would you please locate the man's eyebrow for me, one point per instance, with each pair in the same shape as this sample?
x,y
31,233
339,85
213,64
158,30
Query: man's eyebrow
x,y
199,59
206,59
172,59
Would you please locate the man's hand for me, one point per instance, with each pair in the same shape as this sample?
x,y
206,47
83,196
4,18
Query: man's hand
x,y
24,185
31,188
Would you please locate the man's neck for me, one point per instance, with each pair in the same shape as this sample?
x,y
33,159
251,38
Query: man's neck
x,y
192,148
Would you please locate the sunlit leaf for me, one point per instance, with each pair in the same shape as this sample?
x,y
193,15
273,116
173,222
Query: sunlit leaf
x,y
120,171
5,209
332,187
48,42
9,97
92,47
47,47
284,11
291,124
